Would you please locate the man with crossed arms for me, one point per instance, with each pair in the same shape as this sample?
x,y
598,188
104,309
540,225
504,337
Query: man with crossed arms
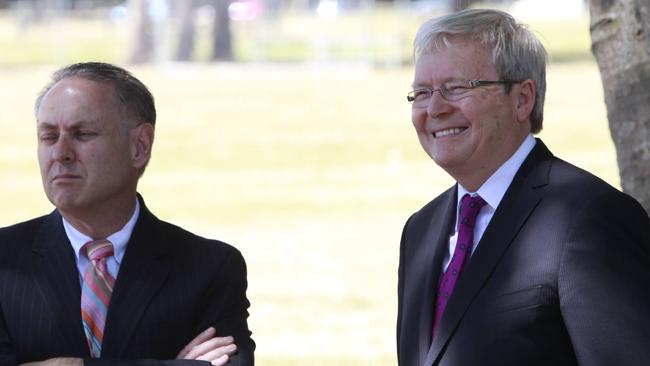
x,y
101,280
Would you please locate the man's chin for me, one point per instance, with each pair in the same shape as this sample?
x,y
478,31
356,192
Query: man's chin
x,y
65,202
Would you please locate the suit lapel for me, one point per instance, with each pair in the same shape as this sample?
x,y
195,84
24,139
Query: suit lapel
x,y
143,271
57,277
435,243
516,206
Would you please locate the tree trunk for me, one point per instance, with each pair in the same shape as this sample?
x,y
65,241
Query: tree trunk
x,y
185,47
143,49
221,35
620,36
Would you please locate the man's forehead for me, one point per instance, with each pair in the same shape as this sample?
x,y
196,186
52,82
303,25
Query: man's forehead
x,y
77,92
74,103
77,81
83,89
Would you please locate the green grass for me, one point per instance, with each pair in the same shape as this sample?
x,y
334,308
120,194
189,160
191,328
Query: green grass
x,y
60,40
565,39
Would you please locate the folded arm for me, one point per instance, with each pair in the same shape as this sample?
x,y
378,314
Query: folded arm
x,y
205,347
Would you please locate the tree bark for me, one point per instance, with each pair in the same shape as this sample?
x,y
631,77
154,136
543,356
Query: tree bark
x,y
620,36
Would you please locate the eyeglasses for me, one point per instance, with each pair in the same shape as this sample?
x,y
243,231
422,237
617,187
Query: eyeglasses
x,y
451,91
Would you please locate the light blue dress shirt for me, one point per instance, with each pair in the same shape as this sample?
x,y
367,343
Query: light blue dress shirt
x,y
119,239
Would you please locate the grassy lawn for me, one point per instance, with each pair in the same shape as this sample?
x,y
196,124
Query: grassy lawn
x,y
309,169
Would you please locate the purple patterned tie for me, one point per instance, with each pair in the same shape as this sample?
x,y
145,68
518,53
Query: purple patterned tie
x,y
96,293
469,209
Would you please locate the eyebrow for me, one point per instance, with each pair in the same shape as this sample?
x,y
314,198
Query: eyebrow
x,y
44,125
415,85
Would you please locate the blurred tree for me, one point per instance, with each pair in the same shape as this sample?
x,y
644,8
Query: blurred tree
x,y
221,35
457,5
143,47
620,36
185,47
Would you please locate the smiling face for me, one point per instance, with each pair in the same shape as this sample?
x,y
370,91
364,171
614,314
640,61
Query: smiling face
x,y
89,161
471,137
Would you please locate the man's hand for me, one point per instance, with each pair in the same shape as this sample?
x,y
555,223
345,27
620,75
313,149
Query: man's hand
x,y
207,347
60,361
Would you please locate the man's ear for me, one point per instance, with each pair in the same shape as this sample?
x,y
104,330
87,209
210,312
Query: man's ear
x,y
141,143
526,96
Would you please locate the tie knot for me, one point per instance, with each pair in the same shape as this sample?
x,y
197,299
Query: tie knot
x,y
97,249
469,208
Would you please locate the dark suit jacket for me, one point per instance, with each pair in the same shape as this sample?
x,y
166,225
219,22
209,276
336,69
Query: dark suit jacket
x,y
561,276
171,286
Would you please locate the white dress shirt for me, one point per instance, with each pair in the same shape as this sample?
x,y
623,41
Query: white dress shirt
x,y
119,240
492,192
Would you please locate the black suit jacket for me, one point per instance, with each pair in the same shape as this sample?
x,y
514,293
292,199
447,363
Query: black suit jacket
x,y
171,286
561,276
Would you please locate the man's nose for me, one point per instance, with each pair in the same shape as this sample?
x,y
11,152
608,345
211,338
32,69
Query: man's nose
x,y
63,150
438,105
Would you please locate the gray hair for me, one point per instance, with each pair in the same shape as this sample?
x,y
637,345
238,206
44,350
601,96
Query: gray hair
x,y
134,97
517,54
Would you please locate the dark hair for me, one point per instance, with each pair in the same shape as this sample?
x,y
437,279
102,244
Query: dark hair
x,y
132,94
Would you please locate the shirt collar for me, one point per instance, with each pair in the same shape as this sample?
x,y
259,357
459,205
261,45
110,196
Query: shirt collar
x,y
119,239
493,190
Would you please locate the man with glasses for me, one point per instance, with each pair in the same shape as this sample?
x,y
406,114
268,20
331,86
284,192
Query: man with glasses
x,y
527,260
101,280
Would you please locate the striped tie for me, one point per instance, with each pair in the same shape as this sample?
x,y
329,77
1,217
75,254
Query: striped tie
x,y
96,293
